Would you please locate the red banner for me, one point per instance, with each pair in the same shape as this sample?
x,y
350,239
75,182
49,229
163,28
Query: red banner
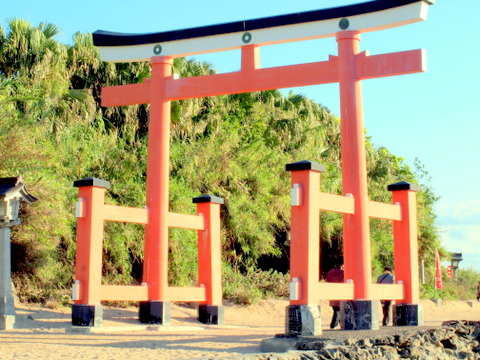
x,y
450,271
438,272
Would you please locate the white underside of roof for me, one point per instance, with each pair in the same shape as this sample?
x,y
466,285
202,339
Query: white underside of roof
x,y
379,20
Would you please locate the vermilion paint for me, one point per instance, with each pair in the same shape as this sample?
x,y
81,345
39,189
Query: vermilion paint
x,y
156,231
356,229
406,245
348,69
88,269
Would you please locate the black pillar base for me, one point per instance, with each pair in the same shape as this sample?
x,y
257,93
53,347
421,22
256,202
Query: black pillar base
x,y
211,314
408,314
303,320
359,315
154,312
87,315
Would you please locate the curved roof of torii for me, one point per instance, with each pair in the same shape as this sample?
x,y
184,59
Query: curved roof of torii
x,y
362,17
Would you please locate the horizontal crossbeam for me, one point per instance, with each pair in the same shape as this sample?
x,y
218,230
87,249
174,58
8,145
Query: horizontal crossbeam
x,y
185,221
392,64
140,216
323,72
335,291
381,210
140,293
186,294
344,291
124,292
125,214
336,203
388,291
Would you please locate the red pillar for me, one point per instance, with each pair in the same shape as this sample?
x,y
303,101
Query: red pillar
x,y
210,260
405,241
303,314
87,310
305,231
88,263
357,257
156,231
209,248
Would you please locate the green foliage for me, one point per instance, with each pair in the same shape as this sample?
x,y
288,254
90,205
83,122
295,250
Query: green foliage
x,y
465,284
183,258
248,287
54,131
463,287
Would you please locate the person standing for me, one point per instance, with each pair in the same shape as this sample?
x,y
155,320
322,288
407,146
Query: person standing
x,y
335,275
386,278
478,291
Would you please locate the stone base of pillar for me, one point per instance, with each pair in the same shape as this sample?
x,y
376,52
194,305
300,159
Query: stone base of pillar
x,y
359,315
211,314
408,314
303,320
7,303
155,312
87,315
7,322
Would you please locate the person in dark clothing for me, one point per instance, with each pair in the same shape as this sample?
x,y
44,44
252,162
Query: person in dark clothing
x,y
386,278
335,275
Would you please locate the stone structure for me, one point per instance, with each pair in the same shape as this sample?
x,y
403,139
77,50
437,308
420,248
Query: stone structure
x,y
454,340
12,193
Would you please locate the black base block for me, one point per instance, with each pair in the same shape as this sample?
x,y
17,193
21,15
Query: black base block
x,y
211,314
154,312
303,320
359,315
408,315
87,315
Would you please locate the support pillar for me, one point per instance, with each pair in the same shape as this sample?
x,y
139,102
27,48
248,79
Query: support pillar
x,y
408,311
154,312
211,314
357,258
210,259
87,310
87,315
303,320
7,306
356,227
408,315
155,268
303,315
359,315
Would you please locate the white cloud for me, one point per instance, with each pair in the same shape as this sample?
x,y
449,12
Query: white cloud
x,y
461,212
459,224
466,240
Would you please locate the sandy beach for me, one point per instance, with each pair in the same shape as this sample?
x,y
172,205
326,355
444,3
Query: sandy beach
x,y
43,333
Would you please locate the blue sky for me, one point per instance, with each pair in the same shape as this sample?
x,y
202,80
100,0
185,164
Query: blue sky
x,y
433,116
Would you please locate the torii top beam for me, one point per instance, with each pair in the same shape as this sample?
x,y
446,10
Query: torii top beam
x,y
362,17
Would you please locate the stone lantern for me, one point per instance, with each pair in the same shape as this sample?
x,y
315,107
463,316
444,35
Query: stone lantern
x,y
456,258
12,193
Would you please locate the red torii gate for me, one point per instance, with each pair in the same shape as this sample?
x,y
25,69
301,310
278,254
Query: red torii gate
x,y
348,69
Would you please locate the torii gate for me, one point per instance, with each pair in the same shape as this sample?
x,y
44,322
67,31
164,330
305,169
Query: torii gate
x,y
348,69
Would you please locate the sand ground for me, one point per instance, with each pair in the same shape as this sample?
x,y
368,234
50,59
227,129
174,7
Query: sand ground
x,y
43,333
